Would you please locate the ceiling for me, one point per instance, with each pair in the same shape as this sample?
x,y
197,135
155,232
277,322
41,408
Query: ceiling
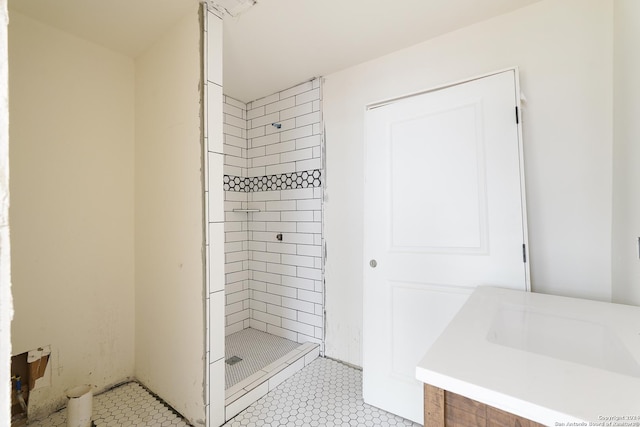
x,y
276,43
126,26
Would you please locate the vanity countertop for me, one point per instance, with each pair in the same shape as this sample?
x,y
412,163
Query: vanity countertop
x,y
554,360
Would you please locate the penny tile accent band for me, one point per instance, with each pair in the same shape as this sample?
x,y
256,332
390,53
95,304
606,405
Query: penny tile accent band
x,y
284,181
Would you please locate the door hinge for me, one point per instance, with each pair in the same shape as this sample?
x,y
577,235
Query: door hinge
x,y
524,253
517,116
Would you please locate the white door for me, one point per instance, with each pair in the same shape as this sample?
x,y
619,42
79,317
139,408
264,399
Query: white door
x,y
444,213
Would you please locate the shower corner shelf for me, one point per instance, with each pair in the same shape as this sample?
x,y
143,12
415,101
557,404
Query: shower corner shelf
x,y
246,210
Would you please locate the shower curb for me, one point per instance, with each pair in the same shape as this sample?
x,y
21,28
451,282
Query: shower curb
x,y
241,395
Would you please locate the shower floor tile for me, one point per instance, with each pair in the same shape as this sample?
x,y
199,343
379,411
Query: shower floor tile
x,y
128,405
256,349
324,393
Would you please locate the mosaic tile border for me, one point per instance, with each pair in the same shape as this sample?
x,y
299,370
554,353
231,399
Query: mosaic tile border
x,y
285,181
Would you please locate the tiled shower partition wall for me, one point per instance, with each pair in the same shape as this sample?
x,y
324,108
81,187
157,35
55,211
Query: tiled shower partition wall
x,y
273,188
214,214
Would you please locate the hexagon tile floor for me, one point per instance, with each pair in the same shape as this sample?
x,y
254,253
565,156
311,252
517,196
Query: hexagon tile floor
x,y
129,405
325,393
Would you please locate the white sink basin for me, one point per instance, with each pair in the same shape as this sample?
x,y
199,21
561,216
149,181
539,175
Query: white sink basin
x,y
551,359
564,338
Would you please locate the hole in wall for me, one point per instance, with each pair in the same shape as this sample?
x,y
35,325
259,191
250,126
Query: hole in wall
x,y
28,372
19,389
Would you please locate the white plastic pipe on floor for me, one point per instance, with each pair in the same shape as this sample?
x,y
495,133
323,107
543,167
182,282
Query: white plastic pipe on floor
x,y
80,407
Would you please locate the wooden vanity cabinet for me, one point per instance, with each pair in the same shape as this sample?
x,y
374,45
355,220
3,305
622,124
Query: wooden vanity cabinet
x,y
445,409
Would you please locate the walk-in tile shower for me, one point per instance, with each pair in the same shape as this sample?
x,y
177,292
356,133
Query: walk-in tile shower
x,y
273,214
273,288
264,174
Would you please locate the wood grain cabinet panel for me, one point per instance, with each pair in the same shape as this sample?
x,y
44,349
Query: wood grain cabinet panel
x,y
445,409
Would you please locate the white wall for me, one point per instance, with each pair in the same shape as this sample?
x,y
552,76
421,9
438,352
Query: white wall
x,y
626,153
71,159
169,227
564,51
6,310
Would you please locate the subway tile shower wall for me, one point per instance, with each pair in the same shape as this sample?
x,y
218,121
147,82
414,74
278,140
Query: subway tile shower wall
x,y
273,145
236,225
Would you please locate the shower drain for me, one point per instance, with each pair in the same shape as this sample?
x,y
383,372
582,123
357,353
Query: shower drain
x,y
233,360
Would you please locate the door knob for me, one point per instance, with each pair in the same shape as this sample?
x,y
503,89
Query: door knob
x,y
373,263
